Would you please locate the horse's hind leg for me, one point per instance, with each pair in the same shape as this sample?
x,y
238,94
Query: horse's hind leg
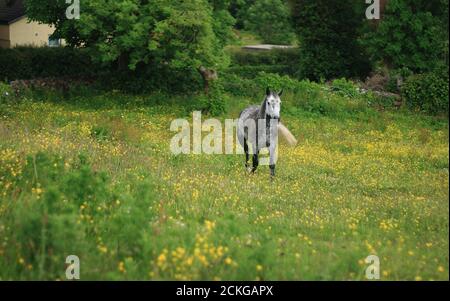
x,y
255,161
247,156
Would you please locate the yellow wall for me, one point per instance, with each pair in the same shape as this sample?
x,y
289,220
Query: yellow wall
x,y
4,36
23,33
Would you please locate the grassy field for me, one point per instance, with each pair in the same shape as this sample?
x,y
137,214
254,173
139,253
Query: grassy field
x,y
93,176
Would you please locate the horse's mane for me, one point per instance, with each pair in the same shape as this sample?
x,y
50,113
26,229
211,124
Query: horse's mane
x,y
262,109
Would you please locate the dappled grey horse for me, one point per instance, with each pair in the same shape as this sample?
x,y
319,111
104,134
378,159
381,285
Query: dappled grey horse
x,y
258,127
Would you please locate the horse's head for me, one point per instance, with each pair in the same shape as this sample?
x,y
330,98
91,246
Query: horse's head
x,y
272,103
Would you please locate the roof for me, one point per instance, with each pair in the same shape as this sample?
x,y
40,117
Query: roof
x,y
11,10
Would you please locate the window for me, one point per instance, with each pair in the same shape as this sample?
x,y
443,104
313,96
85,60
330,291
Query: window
x,y
54,42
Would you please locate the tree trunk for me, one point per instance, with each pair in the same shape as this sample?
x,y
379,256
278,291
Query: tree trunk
x,y
208,75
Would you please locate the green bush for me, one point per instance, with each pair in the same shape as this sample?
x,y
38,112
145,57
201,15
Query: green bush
x,y
413,34
254,88
248,64
344,87
328,33
29,63
215,102
270,19
5,92
427,92
251,72
238,86
313,97
151,78
275,81
283,57
380,102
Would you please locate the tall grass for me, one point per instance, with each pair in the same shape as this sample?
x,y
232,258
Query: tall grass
x,y
90,174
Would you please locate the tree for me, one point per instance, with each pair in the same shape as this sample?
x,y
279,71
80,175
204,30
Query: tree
x,y
270,19
413,34
239,10
223,21
328,33
173,33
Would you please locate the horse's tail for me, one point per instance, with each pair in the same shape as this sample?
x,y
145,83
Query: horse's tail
x,y
290,139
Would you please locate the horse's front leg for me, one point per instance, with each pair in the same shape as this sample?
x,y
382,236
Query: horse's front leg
x,y
255,160
272,162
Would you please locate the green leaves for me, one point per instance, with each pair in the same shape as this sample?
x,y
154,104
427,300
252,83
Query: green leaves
x,y
427,92
328,34
270,19
412,34
175,34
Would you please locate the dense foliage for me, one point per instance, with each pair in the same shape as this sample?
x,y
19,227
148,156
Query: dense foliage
x,y
223,21
239,10
76,63
249,63
29,62
5,92
328,33
177,34
270,19
428,92
413,34
137,46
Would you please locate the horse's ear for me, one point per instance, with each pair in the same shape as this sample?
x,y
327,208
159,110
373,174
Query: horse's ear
x,y
267,91
280,93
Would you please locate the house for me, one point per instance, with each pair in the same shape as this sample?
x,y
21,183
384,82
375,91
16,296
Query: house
x,y
17,30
